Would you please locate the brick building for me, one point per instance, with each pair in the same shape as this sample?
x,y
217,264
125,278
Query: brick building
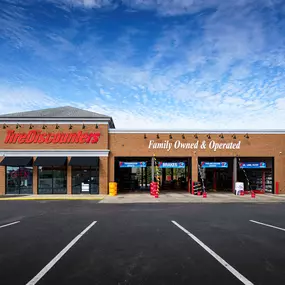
x,y
67,150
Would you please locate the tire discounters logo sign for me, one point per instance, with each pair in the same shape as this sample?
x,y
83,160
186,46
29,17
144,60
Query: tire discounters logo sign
x,y
213,145
39,137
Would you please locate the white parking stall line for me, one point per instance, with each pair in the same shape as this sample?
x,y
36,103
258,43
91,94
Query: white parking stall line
x,y
239,276
59,256
267,225
10,224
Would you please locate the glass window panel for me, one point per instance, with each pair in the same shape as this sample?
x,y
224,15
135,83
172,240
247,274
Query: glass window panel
x,y
94,189
52,180
19,180
95,172
58,190
84,178
76,189
94,181
59,180
45,190
45,175
26,180
12,180
76,180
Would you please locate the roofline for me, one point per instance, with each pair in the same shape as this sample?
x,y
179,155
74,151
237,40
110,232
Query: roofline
x,y
198,131
59,120
2,119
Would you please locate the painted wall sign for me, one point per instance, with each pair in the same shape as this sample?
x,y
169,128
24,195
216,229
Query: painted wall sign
x,y
213,164
171,164
252,165
168,145
39,137
132,164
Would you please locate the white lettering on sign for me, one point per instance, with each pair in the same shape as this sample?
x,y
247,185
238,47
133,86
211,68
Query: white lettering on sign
x,y
179,144
160,145
215,146
166,144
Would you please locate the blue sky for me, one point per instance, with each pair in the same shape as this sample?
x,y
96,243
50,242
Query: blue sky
x,y
155,64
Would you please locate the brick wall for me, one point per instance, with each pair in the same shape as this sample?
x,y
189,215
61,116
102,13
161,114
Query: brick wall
x,y
102,144
103,175
257,145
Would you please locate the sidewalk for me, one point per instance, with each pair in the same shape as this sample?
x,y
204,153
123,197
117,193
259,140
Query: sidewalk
x,y
50,197
147,198
189,198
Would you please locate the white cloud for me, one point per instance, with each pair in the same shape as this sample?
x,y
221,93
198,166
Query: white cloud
x,y
25,99
223,78
167,7
172,7
280,104
96,4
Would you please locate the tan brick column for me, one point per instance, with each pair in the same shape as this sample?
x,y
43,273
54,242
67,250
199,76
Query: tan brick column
x,y
279,173
2,179
111,168
69,177
35,178
103,175
194,168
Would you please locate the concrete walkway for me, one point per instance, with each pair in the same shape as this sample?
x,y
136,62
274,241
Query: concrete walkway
x,y
50,197
188,198
147,198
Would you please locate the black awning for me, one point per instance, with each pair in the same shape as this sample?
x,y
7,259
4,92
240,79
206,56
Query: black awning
x,y
17,161
50,161
84,161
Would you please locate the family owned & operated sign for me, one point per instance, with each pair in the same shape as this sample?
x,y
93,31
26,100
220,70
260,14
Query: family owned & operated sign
x,y
213,145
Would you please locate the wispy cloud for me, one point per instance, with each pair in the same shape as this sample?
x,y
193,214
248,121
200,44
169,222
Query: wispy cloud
x,y
24,99
216,64
88,4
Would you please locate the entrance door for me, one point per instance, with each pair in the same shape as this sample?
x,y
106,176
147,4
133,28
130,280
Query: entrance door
x,y
85,184
85,180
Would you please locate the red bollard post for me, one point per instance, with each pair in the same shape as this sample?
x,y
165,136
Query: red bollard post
x,y
277,188
156,195
204,194
252,194
154,189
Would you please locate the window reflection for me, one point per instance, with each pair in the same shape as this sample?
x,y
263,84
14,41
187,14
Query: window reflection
x,y
52,180
19,180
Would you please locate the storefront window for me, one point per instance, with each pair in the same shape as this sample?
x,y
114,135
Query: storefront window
x,y
52,180
19,180
85,180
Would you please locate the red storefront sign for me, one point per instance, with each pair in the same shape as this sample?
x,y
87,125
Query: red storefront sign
x,y
39,137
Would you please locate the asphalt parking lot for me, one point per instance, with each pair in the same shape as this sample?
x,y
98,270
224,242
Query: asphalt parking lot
x,y
85,242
